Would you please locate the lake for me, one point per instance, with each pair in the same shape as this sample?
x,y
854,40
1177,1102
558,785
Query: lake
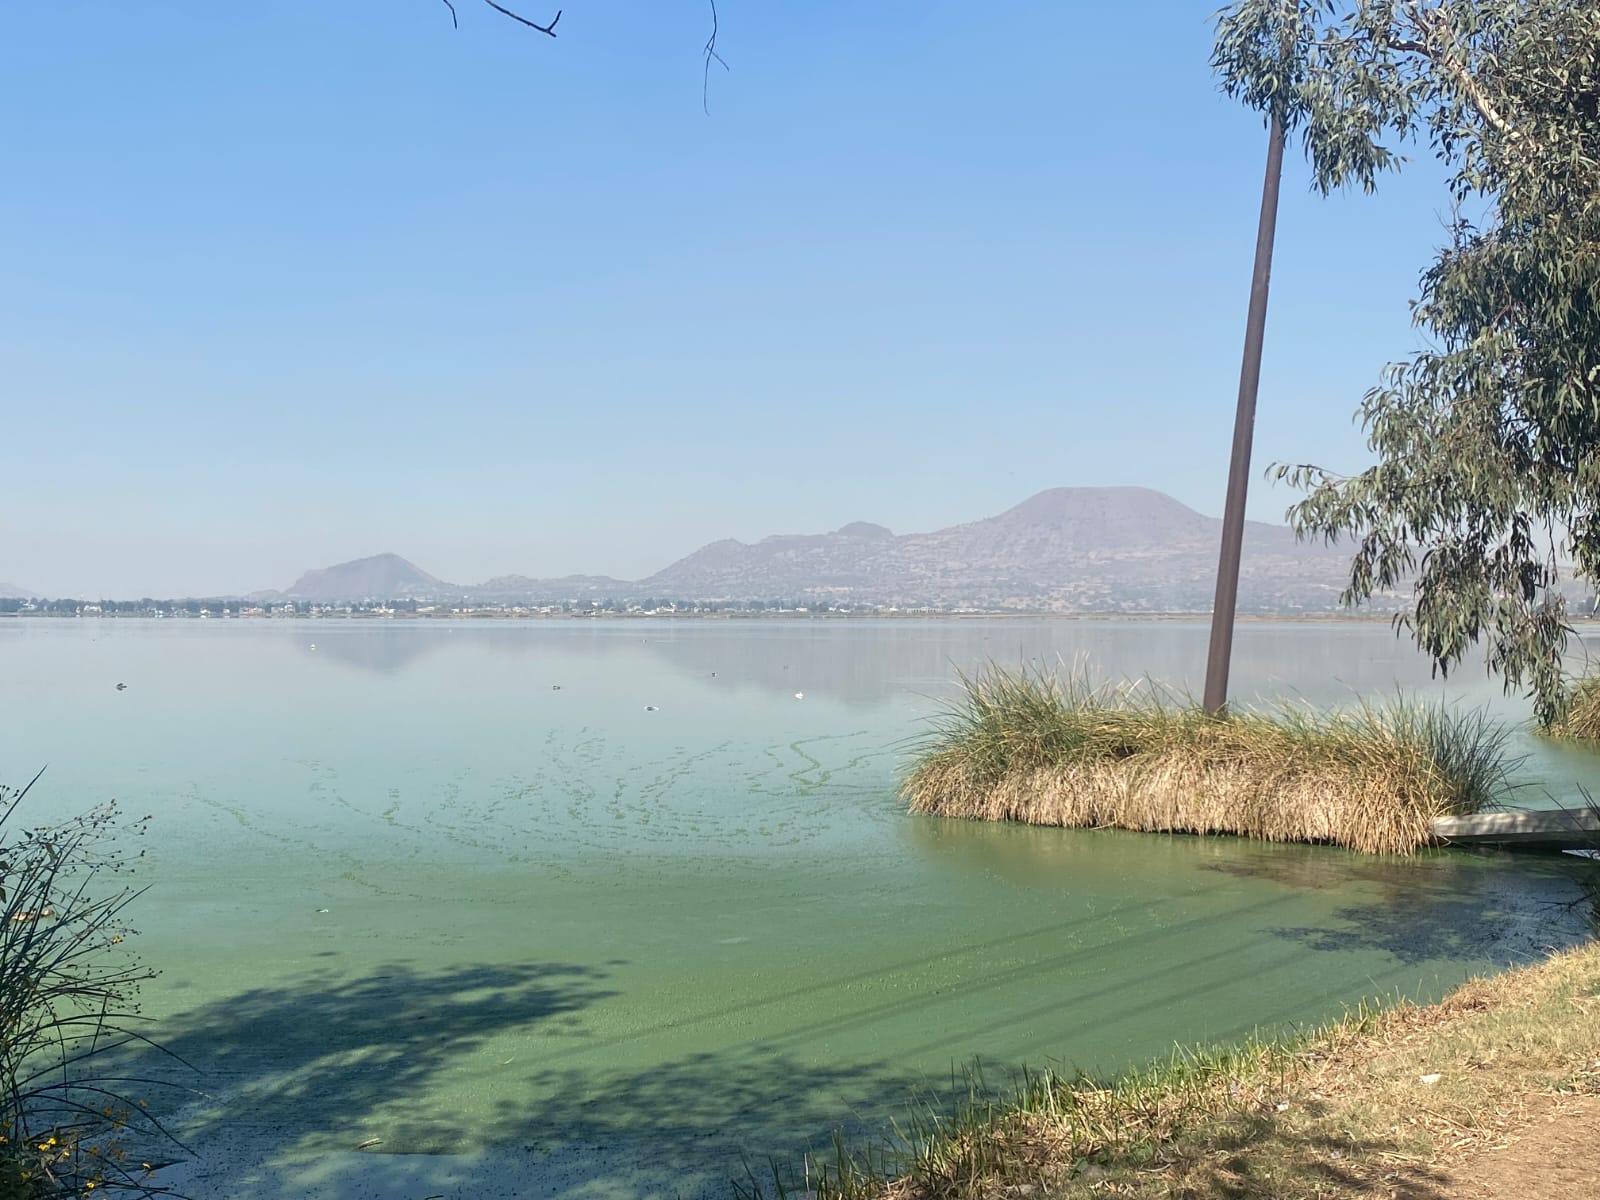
x,y
595,908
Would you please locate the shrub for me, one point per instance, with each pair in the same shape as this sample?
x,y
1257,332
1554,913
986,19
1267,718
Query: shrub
x,y
68,1002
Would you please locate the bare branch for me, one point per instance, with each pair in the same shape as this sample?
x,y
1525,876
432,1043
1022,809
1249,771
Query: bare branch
x,y
710,53
549,29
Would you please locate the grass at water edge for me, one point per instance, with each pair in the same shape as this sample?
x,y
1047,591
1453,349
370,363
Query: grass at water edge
x,y
1352,1109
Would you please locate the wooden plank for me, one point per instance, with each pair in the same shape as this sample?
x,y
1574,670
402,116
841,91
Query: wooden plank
x,y
1555,829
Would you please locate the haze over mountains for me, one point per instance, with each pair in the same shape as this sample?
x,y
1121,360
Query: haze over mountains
x,y
1067,549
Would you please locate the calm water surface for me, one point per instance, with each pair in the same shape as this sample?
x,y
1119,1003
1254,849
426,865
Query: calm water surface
x,y
592,908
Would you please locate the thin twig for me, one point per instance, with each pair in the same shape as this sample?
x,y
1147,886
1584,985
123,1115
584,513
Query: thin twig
x,y
454,23
711,53
549,29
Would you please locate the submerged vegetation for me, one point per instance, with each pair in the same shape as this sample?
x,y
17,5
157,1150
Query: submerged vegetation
x,y
1026,745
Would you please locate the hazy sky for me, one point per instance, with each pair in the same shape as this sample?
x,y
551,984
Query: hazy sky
x,y
284,284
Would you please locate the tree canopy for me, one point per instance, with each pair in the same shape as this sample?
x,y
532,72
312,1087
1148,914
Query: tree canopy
x,y
1488,442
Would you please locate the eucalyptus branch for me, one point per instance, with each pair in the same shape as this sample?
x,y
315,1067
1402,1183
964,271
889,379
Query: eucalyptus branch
x,y
1431,45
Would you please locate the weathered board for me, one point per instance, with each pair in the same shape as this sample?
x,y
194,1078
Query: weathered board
x,y
1552,829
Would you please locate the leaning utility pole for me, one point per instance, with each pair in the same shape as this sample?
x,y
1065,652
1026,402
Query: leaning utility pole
x,y
1244,422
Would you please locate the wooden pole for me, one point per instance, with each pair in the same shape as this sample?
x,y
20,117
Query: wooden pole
x,y
1244,423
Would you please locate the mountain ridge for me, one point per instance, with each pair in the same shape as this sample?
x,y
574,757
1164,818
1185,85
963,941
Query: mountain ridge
x,y
1110,549
1063,549
377,575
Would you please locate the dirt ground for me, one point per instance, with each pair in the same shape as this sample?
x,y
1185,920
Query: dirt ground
x,y
1554,1157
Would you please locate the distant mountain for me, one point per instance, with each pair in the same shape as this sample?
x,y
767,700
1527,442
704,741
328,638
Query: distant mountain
x,y
10,591
1121,549
390,577
785,564
566,587
383,576
1067,549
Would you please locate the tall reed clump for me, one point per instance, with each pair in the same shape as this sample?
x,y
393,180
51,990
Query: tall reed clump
x,y
1580,715
70,1123
1027,745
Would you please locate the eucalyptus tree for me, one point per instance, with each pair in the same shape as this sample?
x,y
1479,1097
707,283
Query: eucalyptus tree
x,y
1487,443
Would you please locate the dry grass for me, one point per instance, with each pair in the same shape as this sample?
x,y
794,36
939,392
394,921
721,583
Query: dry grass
x,y
1380,1104
1581,717
1029,746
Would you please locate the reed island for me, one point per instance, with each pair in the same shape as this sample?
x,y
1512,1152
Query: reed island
x,y
1032,746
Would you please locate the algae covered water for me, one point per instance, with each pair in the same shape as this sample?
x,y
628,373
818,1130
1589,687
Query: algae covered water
x,y
615,908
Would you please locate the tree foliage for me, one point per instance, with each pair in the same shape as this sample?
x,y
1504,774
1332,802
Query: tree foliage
x,y
1488,442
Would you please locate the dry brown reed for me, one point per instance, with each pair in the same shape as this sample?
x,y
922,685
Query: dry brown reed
x,y
1580,717
1028,746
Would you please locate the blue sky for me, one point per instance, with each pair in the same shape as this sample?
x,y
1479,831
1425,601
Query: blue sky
x,y
288,283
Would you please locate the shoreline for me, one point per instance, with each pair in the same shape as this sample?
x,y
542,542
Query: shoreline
x,y
1329,618
1494,1090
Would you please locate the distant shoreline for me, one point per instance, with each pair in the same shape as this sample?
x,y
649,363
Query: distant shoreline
x,y
735,615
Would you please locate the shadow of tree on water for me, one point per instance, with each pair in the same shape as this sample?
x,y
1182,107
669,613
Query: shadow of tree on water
x,y
1495,907
290,1083
298,1077
699,1125
310,1063
295,1077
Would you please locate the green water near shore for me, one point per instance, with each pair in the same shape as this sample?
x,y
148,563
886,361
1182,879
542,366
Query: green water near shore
x,y
594,908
